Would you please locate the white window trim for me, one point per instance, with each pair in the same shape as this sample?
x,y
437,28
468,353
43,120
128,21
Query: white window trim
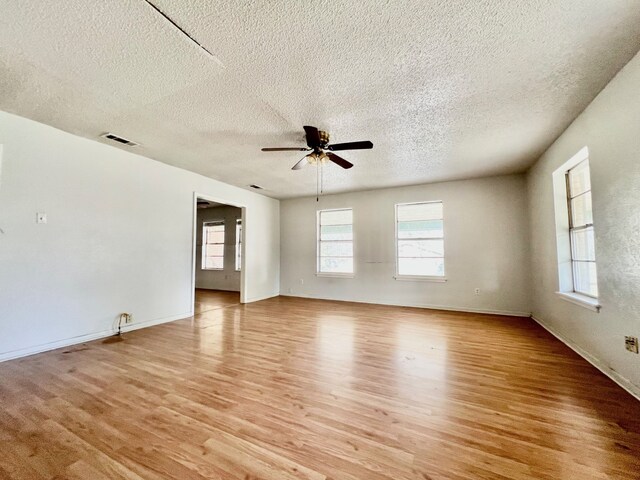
x,y
563,240
353,246
336,274
581,300
573,228
423,278
204,244
238,244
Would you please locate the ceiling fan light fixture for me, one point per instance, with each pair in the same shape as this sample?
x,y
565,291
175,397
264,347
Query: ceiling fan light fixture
x,y
314,158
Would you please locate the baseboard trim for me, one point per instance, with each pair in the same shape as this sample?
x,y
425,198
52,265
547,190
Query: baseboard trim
x,y
621,381
264,297
67,342
423,305
218,289
151,323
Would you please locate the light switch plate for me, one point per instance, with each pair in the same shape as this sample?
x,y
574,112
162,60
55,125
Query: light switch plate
x,y
41,217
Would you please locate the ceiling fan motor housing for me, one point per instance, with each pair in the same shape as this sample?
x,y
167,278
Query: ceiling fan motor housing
x,y
324,138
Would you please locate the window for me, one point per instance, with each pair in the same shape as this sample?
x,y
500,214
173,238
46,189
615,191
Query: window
x,y
420,239
238,244
335,241
581,234
213,245
577,282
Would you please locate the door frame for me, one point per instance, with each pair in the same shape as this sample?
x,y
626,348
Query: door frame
x,y
243,260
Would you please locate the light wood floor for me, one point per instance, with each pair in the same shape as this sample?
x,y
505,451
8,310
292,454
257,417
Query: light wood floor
x,y
213,299
296,388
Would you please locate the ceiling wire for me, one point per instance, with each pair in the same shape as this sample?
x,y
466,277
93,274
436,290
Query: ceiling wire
x,y
193,40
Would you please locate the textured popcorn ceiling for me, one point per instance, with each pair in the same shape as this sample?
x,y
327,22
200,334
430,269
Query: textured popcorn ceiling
x,y
445,89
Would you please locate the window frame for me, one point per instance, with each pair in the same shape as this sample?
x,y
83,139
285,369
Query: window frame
x,y
205,243
575,228
561,205
424,278
238,252
319,273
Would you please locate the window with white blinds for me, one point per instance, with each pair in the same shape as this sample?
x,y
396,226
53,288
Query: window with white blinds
x,y
335,241
581,233
213,245
420,239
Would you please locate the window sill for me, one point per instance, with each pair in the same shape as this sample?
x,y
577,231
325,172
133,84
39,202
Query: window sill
x,y
336,275
419,278
581,300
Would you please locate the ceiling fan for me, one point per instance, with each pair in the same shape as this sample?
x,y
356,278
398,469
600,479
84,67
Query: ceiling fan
x,y
321,150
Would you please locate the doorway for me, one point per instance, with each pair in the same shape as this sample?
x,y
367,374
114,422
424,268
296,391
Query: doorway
x,y
218,254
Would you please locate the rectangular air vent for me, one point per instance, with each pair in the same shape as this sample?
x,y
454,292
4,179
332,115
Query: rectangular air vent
x,y
257,187
116,138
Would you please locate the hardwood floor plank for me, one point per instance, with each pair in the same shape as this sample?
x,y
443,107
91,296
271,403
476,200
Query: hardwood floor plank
x,y
291,388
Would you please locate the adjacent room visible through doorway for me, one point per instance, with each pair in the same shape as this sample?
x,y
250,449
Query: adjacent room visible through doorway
x,y
218,255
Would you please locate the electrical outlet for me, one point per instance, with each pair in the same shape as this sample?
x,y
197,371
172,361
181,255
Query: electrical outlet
x,y
302,281
631,344
476,291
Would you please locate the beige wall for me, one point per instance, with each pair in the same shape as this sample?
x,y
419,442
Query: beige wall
x,y
610,128
486,247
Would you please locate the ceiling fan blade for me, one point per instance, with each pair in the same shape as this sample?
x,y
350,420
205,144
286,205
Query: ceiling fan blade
x,y
285,149
351,146
339,160
313,136
300,164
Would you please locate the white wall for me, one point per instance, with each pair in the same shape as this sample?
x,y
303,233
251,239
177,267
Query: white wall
x,y
228,278
486,247
609,127
118,238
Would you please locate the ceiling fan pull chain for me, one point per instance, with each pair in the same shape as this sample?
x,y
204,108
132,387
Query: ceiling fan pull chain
x,y
317,181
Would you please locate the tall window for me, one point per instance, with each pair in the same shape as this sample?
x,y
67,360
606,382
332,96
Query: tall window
x,y
238,244
213,245
335,241
581,234
420,239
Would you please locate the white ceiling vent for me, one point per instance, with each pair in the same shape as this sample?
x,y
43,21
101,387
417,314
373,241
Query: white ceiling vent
x,y
116,138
